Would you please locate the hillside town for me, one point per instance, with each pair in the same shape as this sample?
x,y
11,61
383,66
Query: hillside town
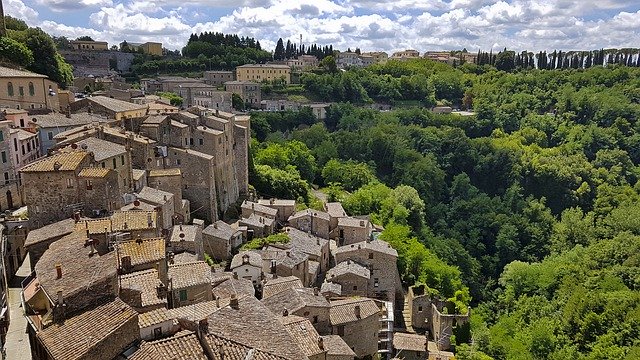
x,y
122,210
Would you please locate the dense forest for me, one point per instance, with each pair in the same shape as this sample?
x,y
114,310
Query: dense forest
x,y
527,210
509,60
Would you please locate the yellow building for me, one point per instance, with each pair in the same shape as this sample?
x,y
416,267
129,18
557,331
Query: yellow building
x,y
261,72
26,90
152,48
90,45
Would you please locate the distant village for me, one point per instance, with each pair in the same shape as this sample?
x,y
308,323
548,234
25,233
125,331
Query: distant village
x,y
142,239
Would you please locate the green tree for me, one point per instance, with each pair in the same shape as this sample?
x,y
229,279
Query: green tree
x,y
14,52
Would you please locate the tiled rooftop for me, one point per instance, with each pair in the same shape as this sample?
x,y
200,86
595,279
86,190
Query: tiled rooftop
x,y
76,336
57,229
344,311
119,221
67,161
232,350
181,346
280,284
164,172
257,221
142,251
94,172
409,342
259,208
254,259
154,196
115,105
374,245
331,288
335,209
303,333
310,212
220,230
146,281
305,242
352,222
188,231
102,149
335,345
8,72
80,268
230,287
189,274
348,267
293,300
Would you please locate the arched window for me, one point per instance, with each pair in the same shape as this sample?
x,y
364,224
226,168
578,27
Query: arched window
x,y
32,90
10,88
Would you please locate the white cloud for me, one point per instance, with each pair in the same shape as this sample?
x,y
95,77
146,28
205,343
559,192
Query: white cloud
x,y
66,5
18,9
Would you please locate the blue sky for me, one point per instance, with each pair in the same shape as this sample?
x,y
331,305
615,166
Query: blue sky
x,y
368,24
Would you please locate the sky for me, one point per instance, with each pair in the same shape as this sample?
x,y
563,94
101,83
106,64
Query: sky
x,y
370,25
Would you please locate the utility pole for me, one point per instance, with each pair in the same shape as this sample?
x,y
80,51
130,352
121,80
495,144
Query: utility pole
x,y
3,24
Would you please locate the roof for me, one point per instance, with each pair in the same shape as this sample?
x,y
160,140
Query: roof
x,y
253,325
344,311
335,209
348,267
234,350
57,229
147,282
119,221
53,119
184,257
305,242
155,119
254,259
80,268
410,342
277,202
178,124
303,334
189,233
165,172
352,222
181,346
93,172
256,220
194,312
141,206
229,287
273,66
293,300
189,274
138,174
256,207
142,251
23,134
115,105
152,195
331,288
237,82
66,161
8,72
102,149
280,284
309,212
220,230
285,257
373,245
74,338
335,345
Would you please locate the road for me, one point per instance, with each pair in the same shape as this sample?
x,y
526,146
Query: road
x,y
17,341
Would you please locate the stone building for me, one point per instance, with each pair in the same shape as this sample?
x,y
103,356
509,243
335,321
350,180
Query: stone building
x,y
351,230
303,302
188,238
27,90
337,349
312,221
109,155
220,239
352,277
261,72
357,321
26,147
143,290
277,285
410,346
111,108
117,331
51,187
258,226
39,240
52,124
190,283
250,92
380,258
10,196
100,190
218,78
248,265
139,254
89,45
285,208
315,247
166,202
251,208
305,336
286,262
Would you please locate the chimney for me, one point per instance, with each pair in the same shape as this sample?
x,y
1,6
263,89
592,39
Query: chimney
x,y
245,259
76,216
139,240
59,309
93,247
272,201
253,206
234,302
321,343
58,271
149,220
273,268
362,223
125,263
316,291
235,275
217,301
215,225
285,312
163,272
356,310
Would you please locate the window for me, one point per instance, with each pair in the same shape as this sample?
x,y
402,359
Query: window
x,y
306,313
191,141
157,332
28,147
15,144
340,330
183,295
10,88
103,165
115,164
50,135
177,161
419,308
4,157
355,287
32,90
122,159
21,122
315,319
201,141
376,282
1,136
6,179
23,152
70,183
89,185
370,255
21,90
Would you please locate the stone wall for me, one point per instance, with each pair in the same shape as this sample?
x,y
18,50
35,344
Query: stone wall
x,y
361,335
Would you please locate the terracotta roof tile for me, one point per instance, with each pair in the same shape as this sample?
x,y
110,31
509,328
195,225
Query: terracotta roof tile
x,y
146,282
189,274
335,345
254,259
348,267
293,300
74,338
101,149
224,348
344,311
8,72
410,342
280,284
142,251
303,334
182,346
67,161
115,105
164,172
258,208
374,245
335,209
57,229
94,172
